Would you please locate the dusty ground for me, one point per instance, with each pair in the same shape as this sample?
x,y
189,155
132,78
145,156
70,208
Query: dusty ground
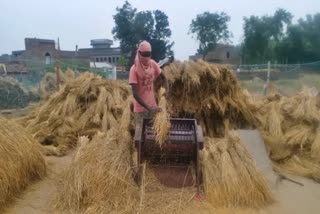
x,y
37,199
292,198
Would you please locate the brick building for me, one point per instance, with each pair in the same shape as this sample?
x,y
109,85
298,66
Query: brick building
x,y
46,51
223,53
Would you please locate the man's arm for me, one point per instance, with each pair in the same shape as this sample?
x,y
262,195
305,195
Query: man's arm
x,y
137,97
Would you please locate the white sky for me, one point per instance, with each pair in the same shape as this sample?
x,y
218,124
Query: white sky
x,y
79,21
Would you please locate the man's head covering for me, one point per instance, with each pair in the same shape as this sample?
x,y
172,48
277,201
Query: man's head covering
x,y
143,63
144,46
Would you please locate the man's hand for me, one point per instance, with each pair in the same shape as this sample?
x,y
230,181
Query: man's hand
x,y
154,110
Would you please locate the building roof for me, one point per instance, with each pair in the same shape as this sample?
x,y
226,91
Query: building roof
x,y
101,42
42,40
100,51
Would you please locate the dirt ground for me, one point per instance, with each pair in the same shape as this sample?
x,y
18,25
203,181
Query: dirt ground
x,y
291,198
37,198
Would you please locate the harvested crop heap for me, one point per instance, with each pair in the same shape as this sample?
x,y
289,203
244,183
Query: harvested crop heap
x,y
104,164
231,178
100,179
14,95
49,82
290,127
21,160
210,93
82,107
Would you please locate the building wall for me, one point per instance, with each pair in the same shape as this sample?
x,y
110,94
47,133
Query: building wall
x,y
43,51
39,48
225,54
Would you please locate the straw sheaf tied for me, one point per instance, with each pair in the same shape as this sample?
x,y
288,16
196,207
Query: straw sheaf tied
x,y
199,89
231,178
290,131
161,123
83,106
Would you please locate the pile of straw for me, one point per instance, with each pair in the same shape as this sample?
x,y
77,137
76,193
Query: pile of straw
x,y
100,178
82,107
231,178
162,119
290,128
14,95
48,84
208,92
21,161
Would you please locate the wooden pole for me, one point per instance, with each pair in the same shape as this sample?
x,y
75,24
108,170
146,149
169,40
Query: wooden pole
x,y
58,66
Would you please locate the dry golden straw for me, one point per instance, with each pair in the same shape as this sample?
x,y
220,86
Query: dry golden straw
x,y
21,161
231,178
290,127
162,119
83,106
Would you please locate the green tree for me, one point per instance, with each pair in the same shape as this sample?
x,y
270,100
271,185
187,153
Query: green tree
x,y
301,42
124,30
209,29
263,34
131,27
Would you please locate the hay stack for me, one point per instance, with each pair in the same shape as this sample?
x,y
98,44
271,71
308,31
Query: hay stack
x,y
162,119
83,106
14,95
210,93
49,82
231,178
100,178
290,127
21,161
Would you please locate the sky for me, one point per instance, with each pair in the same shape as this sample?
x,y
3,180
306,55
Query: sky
x,y
76,22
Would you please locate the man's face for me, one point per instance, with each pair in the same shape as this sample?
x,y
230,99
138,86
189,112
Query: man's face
x,y
145,57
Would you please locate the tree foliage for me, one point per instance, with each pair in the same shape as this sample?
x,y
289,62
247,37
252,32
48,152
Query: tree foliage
x,y
209,29
132,26
275,38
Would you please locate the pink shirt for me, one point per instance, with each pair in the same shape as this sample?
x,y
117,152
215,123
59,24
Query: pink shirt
x,y
145,85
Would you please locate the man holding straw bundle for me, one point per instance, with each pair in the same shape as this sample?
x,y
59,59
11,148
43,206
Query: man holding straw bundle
x,y
142,75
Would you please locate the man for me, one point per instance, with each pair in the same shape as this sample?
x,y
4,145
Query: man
x,y
142,75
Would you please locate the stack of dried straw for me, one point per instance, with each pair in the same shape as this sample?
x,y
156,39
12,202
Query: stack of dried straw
x,y
231,178
14,95
21,161
210,93
49,82
83,106
290,127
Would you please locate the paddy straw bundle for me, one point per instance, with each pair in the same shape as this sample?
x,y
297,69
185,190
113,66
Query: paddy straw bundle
x,y
14,95
48,84
231,178
100,180
21,161
83,106
162,123
290,128
100,177
208,92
